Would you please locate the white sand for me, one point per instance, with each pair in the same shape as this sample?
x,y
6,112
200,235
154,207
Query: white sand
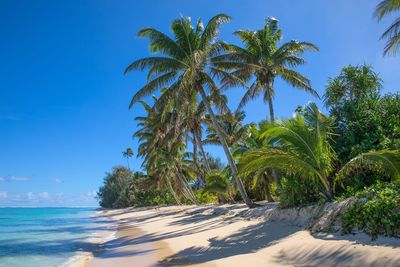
x,y
198,236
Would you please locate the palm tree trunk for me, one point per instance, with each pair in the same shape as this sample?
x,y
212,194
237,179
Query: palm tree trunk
x,y
267,189
189,190
196,161
228,154
203,153
271,110
268,97
171,190
275,176
194,149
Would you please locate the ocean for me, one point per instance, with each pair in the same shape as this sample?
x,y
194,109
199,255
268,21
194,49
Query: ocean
x,y
46,237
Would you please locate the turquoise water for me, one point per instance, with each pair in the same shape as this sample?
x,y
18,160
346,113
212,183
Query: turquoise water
x,y
46,236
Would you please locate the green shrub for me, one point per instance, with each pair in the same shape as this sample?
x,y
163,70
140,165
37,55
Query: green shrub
x,y
154,198
217,182
297,192
361,178
205,197
117,189
376,212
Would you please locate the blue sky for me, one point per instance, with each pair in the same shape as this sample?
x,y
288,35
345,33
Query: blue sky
x,y
64,118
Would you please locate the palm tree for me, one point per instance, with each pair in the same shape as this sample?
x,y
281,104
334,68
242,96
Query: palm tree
x,y
232,128
392,34
171,166
193,116
184,66
302,148
255,139
263,59
162,149
128,153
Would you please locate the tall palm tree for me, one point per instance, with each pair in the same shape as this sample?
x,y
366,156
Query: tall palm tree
x,y
392,34
302,148
128,153
183,65
263,59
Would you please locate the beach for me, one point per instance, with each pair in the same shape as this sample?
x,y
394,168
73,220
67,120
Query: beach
x,y
232,235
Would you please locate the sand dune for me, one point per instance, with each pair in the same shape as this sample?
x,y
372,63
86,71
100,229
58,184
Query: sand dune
x,y
232,236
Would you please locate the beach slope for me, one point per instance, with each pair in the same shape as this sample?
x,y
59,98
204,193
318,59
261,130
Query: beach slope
x,y
232,235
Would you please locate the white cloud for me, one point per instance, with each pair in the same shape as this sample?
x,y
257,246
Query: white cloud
x,y
19,178
3,194
46,199
57,180
44,195
30,196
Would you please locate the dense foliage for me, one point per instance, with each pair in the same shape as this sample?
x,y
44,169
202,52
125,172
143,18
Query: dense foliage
x,y
124,188
118,189
376,212
364,119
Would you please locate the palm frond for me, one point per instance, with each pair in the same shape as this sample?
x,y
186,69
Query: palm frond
x,y
160,42
386,7
297,80
270,158
152,86
393,36
211,29
389,160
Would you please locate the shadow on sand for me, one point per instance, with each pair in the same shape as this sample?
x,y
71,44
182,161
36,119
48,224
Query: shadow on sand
x,y
246,240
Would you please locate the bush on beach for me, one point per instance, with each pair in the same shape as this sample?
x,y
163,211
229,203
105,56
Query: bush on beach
x,y
377,211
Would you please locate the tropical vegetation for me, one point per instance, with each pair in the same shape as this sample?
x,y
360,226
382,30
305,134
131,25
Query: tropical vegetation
x,y
351,150
376,211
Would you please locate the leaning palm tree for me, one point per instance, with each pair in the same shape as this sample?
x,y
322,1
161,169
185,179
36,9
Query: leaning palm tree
x,y
262,60
392,34
162,149
128,153
183,65
302,148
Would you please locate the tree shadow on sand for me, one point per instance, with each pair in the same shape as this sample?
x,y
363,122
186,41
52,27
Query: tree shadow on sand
x,y
332,256
246,240
361,238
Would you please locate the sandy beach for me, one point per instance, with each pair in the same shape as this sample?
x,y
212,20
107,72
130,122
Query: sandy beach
x,y
232,235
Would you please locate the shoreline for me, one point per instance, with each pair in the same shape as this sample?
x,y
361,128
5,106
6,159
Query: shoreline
x,y
95,239
103,255
231,235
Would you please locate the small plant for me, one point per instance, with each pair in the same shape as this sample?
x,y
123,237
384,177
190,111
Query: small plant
x,y
376,212
298,192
